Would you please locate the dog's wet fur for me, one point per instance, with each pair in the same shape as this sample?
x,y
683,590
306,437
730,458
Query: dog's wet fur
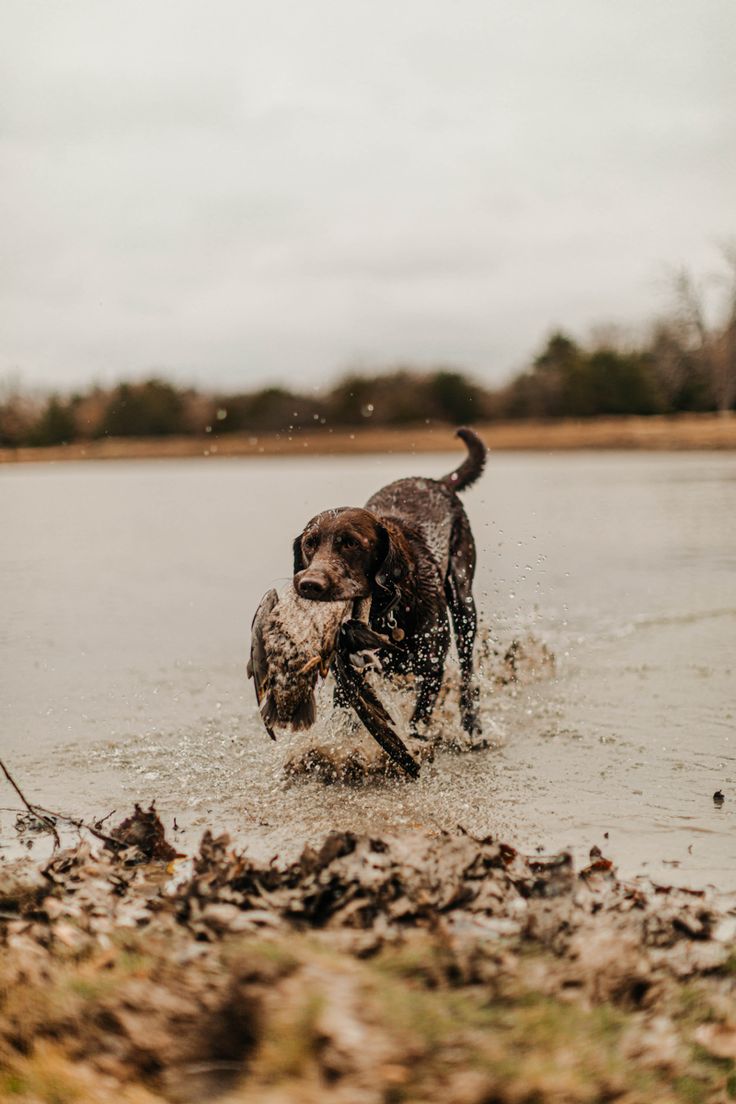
x,y
410,550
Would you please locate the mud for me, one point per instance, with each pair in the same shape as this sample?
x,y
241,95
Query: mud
x,y
382,968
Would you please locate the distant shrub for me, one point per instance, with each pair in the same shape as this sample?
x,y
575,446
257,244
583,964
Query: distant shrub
x,y
151,409
272,409
17,416
456,398
403,397
569,381
353,399
56,424
688,363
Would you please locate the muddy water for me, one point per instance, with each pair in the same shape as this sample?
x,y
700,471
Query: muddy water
x,y
127,591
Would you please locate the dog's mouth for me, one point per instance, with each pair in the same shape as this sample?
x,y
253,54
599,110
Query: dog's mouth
x,y
316,588
346,595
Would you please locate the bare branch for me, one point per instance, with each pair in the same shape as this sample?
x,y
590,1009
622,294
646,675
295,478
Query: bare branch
x,y
35,810
690,305
48,817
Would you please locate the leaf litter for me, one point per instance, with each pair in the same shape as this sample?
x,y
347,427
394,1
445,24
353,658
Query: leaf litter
x,y
406,966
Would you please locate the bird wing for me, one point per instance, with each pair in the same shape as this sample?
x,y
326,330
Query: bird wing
x,y
366,704
258,663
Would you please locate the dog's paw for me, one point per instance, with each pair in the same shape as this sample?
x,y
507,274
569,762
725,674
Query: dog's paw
x,y
471,724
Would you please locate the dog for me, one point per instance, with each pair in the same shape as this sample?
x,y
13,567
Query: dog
x,y
411,552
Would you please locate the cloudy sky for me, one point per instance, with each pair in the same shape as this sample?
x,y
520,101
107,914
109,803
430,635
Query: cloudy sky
x,y
228,191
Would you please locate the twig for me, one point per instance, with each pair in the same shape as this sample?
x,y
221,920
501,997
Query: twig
x,y
77,822
40,814
48,816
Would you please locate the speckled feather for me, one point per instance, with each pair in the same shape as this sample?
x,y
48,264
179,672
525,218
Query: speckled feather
x,y
292,644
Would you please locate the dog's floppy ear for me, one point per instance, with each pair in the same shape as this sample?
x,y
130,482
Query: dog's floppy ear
x,y
391,558
299,563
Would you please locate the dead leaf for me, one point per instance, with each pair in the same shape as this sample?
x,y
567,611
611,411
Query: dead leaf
x,y
718,1039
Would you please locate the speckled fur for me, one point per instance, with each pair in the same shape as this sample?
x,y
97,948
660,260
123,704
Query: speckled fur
x,y
411,550
428,506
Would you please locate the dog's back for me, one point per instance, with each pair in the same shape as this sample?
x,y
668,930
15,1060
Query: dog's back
x,y
431,506
426,506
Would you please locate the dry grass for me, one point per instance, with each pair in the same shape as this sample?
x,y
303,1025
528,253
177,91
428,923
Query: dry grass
x,y
684,432
373,971
421,1021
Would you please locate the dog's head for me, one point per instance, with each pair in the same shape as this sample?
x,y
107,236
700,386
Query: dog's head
x,y
345,553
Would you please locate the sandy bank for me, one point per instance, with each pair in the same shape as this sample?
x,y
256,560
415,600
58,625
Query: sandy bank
x,y
701,431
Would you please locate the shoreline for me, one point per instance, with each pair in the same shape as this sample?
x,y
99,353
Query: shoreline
x,y
687,432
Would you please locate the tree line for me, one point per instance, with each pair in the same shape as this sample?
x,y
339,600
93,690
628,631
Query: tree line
x,y
686,363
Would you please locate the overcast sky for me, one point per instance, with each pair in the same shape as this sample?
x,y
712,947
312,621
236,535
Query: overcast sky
x,y
227,192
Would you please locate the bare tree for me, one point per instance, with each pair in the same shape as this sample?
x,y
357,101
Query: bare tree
x,y
724,353
706,326
17,410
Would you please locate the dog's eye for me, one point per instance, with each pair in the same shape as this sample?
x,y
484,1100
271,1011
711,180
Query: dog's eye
x,y
349,542
310,542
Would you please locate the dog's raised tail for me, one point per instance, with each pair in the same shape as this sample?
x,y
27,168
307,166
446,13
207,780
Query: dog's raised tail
x,y
473,464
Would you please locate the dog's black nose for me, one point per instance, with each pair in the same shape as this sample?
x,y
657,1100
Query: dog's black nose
x,y
311,586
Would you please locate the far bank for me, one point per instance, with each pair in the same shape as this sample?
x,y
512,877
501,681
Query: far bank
x,y
656,433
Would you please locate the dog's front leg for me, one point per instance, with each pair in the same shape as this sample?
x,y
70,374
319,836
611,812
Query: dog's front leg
x,y
362,610
430,668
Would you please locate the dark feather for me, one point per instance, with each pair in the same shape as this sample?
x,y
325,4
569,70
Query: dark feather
x,y
269,715
360,696
356,636
258,663
305,714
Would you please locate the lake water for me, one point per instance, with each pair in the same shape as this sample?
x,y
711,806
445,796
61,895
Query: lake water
x,y
128,588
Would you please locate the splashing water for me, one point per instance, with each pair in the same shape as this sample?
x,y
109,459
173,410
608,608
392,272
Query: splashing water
x,y
124,640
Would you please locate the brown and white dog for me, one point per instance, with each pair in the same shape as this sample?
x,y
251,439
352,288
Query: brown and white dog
x,y
410,550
